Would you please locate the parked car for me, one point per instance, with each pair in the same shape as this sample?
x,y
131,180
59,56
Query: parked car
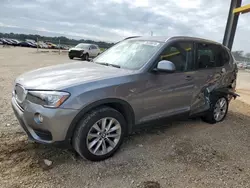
x,y
24,44
240,65
27,44
244,65
30,40
247,65
93,105
51,45
6,41
10,42
84,51
14,42
65,47
42,44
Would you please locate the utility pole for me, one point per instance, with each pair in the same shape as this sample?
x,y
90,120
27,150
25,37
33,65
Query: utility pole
x,y
59,47
232,22
152,33
37,44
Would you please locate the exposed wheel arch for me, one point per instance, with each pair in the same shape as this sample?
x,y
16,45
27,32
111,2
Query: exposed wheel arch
x,y
225,91
120,105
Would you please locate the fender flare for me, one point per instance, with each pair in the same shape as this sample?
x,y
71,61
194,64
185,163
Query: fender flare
x,y
129,113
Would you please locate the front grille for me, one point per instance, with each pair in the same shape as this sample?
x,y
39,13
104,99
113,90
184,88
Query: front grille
x,y
75,53
20,94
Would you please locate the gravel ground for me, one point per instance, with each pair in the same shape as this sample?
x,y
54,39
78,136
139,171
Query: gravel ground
x,y
178,154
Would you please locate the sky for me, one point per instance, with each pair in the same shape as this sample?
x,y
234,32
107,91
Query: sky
x,y
113,20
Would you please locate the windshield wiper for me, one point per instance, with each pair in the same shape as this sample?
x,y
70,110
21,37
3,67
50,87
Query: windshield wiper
x,y
109,64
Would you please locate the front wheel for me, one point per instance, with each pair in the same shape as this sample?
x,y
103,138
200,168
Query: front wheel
x,y
99,134
71,57
218,110
85,57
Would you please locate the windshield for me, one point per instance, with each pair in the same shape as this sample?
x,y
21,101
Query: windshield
x,y
83,46
129,54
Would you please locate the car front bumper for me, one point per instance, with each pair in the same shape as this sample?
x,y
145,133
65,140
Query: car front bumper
x,y
74,53
55,123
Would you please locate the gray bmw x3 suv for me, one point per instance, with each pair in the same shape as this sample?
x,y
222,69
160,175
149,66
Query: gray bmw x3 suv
x,y
93,105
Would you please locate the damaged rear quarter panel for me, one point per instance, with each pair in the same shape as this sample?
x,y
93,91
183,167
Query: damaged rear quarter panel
x,y
209,81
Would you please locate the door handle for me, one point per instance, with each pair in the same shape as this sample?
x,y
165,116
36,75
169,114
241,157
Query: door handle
x,y
188,78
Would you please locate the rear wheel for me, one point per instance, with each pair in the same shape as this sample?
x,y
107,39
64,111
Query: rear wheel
x,y
71,57
99,134
218,110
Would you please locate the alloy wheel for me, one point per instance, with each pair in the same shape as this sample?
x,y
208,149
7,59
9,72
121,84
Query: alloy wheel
x,y
103,136
220,109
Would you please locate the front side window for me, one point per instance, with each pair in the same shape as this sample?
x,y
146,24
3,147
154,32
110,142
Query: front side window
x,y
180,54
129,54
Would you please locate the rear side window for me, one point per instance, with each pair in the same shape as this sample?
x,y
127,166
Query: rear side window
x,y
179,53
211,55
206,56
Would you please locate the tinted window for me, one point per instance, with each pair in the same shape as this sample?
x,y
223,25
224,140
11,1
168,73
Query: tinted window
x,y
181,54
206,56
93,47
210,55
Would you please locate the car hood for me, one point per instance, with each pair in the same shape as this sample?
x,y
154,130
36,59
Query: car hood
x,y
76,49
62,76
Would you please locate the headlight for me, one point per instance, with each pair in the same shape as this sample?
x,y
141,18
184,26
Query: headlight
x,y
50,99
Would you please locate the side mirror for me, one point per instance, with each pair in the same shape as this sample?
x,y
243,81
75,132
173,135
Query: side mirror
x,y
165,66
89,48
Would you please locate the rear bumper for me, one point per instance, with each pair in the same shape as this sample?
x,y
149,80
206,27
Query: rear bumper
x,y
55,122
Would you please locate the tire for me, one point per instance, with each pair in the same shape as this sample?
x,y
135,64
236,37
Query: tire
x,y
71,57
85,57
83,136
210,116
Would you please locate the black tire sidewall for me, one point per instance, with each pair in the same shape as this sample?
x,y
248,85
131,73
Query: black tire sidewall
x,y
80,136
86,57
209,117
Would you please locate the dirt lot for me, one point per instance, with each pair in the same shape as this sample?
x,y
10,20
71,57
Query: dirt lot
x,y
178,154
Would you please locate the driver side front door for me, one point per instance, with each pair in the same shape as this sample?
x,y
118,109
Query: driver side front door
x,y
169,94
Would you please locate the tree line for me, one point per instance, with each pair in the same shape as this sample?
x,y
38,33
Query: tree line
x,y
55,40
238,55
241,56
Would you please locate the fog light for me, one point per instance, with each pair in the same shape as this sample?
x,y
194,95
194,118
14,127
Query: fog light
x,y
38,118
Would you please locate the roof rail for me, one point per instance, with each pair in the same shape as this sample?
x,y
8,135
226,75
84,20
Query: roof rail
x,y
127,38
131,37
